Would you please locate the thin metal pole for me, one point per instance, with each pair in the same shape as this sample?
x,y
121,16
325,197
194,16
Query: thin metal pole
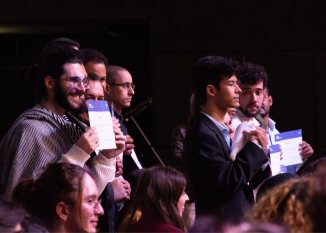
x,y
141,131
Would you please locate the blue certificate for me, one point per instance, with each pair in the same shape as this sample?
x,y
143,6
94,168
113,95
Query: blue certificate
x,y
100,117
289,142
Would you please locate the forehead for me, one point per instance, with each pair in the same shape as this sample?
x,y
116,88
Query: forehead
x,y
97,68
95,88
258,86
124,77
75,70
89,186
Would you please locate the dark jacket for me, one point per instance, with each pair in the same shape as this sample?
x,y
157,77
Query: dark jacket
x,y
220,184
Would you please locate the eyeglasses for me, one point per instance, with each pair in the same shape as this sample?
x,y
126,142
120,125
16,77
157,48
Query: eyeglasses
x,y
77,81
124,85
96,204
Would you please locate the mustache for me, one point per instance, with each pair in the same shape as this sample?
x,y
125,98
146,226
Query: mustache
x,y
253,105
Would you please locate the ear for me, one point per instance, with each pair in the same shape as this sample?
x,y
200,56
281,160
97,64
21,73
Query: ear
x,y
107,89
270,98
49,82
62,211
210,90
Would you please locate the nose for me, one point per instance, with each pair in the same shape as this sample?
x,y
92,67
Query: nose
x,y
254,97
187,198
83,88
99,210
131,91
238,89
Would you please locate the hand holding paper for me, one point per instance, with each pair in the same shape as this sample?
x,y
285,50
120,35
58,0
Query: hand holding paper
x,y
89,141
120,141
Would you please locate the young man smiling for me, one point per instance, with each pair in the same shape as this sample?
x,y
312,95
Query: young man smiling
x,y
221,186
42,135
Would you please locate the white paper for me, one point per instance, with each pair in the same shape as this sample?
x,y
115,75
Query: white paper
x,y
239,139
135,158
100,117
275,161
289,142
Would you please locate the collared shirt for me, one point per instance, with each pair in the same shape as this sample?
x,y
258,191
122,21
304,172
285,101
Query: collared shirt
x,y
224,129
271,131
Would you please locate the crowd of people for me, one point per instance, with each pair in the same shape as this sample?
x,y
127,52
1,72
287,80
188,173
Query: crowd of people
x,y
53,178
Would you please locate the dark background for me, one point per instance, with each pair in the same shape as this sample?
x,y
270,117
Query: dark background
x,y
159,41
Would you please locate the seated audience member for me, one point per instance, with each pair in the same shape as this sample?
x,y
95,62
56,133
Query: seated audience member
x,y
272,182
208,224
220,184
311,169
285,205
256,227
125,214
11,216
317,204
64,198
160,197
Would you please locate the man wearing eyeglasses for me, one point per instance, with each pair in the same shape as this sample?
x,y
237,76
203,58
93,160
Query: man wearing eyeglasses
x,y
119,90
42,135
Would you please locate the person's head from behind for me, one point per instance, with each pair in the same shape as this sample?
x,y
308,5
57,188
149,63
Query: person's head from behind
x,y
95,62
214,81
274,181
253,80
311,169
119,88
61,77
161,192
11,216
64,198
286,205
266,104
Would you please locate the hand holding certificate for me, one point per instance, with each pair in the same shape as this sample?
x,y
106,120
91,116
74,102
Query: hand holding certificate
x,y
289,142
100,117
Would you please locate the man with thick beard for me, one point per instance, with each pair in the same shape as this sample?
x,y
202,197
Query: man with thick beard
x,y
42,135
253,80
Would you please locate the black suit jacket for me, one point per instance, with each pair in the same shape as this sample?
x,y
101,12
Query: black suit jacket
x,y
220,184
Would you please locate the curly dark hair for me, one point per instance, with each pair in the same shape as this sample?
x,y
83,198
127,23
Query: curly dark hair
x,y
251,74
94,56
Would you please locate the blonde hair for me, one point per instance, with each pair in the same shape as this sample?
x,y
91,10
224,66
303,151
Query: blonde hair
x,y
285,205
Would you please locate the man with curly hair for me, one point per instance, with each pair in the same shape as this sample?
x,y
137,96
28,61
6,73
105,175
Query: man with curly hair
x,y
253,80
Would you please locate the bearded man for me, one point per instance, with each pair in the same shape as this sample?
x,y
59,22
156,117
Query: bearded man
x,y
43,134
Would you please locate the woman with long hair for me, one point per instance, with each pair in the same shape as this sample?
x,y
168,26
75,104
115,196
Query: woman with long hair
x,y
160,196
285,205
64,198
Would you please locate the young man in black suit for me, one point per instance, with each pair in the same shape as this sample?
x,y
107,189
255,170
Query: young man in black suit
x,y
221,186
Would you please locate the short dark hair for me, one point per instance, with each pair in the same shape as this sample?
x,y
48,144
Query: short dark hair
x,y
58,182
251,74
52,65
210,71
11,214
267,91
94,56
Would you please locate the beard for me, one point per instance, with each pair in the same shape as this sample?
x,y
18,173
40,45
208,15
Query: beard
x,y
263,112
62,99
247,113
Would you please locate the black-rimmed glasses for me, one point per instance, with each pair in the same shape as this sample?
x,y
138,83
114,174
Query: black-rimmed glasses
x,y
77,82
124,85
